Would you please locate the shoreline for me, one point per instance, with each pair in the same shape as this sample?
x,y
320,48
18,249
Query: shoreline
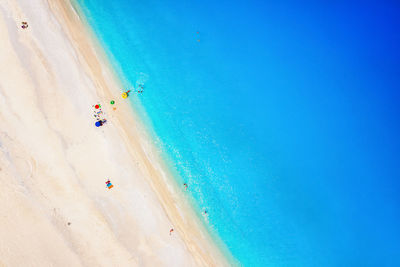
x,y
206,250
54,162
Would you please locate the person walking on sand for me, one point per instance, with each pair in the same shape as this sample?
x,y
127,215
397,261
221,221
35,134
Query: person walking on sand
x,y
170,231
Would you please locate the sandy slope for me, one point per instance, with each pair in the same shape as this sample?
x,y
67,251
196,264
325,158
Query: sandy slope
x,y
54,162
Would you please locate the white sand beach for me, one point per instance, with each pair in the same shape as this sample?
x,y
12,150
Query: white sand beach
x,y
56,209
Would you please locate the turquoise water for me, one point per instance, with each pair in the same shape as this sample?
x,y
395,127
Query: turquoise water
x,y
283,119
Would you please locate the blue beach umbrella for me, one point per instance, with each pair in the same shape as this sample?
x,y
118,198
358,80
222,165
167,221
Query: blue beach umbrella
x,y
98,123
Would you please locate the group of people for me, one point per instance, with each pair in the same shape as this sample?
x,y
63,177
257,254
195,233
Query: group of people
x,y
205,212
98,114
185,185
140,88
100,120
24,25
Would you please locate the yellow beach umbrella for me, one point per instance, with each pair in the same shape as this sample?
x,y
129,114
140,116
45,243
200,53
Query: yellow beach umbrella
x,y
124,95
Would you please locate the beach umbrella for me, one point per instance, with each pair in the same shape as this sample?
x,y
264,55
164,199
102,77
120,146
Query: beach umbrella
x,y
112,102
124,95
96,107
98,123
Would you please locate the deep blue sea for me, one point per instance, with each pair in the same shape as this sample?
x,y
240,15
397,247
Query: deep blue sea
x,y
283,117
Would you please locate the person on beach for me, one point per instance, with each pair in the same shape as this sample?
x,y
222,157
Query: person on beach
x,y
170,231
185,185
100,122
